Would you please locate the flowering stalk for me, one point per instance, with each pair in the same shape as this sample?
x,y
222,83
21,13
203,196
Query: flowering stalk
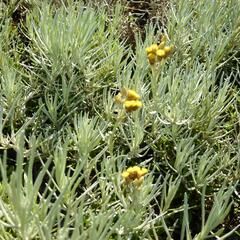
x,y
157,54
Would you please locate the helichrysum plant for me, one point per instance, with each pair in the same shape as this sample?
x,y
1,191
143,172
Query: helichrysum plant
x,y
166,166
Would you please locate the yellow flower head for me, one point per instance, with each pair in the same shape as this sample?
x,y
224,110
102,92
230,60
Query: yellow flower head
x,y
132,95
127,94
152,49
134,174
149,50
157,53
151,58
136,168
168,49
161,53
129,99
132,105
142,172
125,174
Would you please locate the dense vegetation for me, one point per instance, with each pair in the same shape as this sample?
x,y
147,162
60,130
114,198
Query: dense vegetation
x,y
103,135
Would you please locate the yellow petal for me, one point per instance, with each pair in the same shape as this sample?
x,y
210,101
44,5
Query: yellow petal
x,y
132,95
169,49
138,104
142,172
149,50
132,105
125,174
151,58
161,53
154,48
130,170
136,168
132,173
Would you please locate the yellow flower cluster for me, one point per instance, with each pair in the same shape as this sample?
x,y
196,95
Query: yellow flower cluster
x,y
134,175
159,52
130,100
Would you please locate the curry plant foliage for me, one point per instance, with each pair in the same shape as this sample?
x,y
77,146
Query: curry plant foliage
x,y
104,139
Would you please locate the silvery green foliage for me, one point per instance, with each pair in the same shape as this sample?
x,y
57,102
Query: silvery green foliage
x,y
64,142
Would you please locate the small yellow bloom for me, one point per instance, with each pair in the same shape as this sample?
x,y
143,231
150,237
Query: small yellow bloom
x,y
149,50
156,53
142,172
151,58
125,174
132,105
135,175
154,48
168,49
132,95
130,170
129,99
136,168
161,53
